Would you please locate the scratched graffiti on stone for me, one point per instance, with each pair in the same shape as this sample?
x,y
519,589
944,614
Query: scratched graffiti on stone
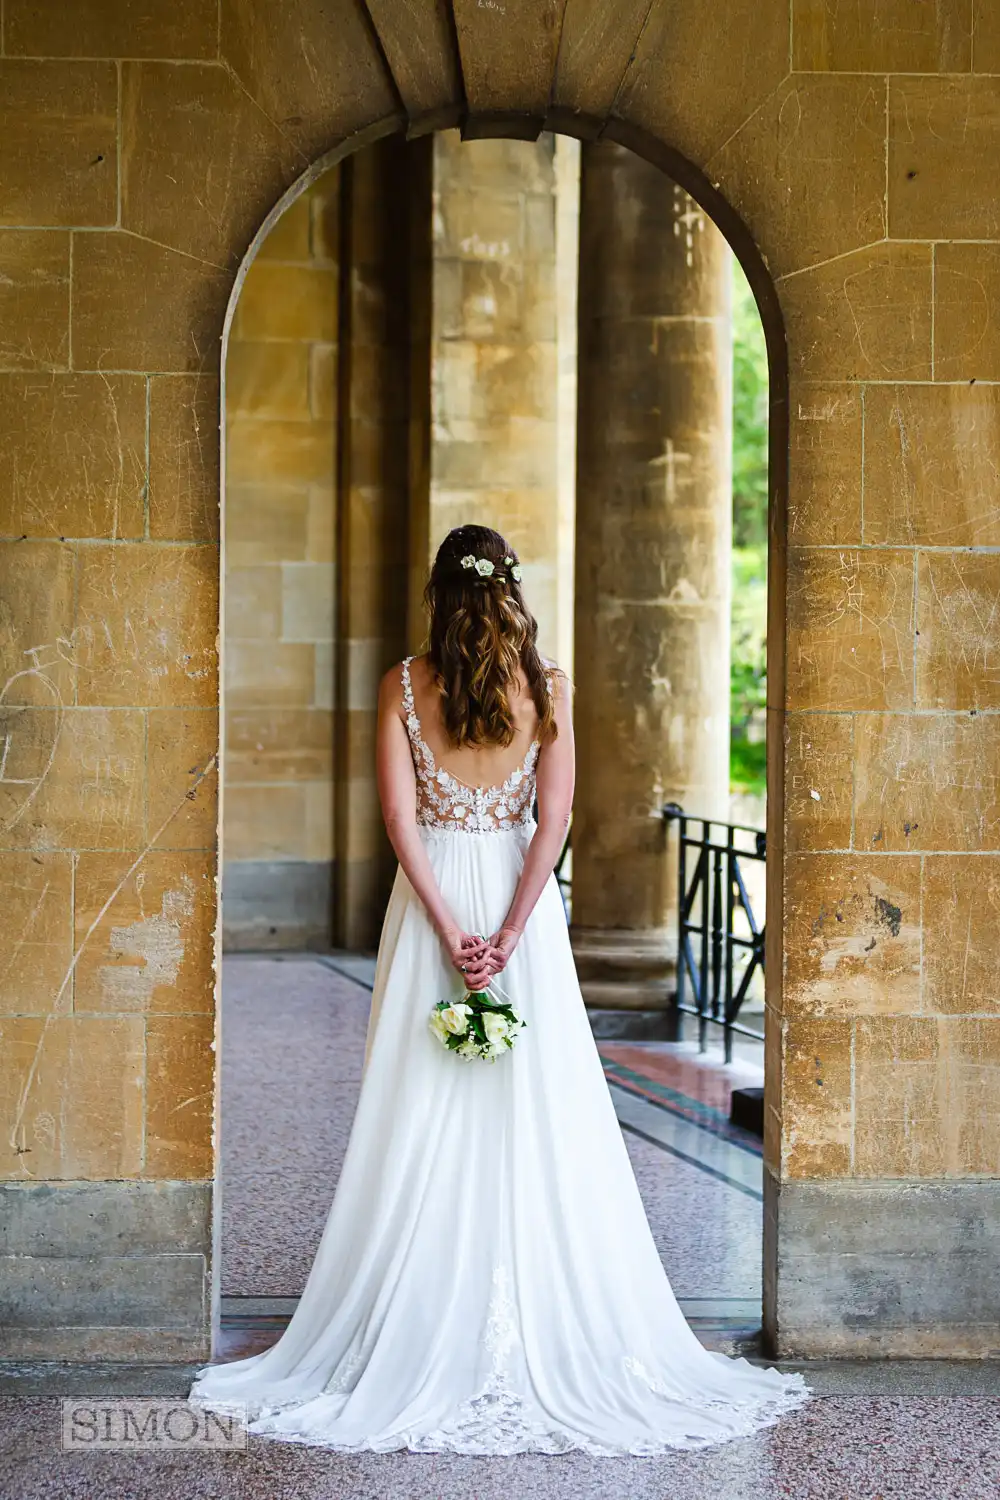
x,y
688,221
485,249
676,473
151,939
26,760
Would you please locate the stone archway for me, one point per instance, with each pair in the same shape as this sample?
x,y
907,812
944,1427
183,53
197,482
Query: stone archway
x,y
140,196
362,776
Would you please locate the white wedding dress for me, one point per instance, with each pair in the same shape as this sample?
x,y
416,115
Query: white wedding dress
x,y
487,1282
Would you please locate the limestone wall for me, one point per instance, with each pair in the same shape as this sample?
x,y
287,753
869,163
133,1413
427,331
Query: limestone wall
x,y
280,555
855,147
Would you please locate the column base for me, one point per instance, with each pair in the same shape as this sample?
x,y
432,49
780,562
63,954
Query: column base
x,y
625,969
633,1025
859,1269
106,1271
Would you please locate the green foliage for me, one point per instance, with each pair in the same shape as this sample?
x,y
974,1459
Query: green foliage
x,y
748,679
748,669
747,766
749,417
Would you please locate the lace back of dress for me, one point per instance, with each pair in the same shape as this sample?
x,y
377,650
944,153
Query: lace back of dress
x,y
445,802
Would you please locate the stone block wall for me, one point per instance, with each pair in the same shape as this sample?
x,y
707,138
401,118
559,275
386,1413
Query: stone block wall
x,y
280,559
849,153
109,590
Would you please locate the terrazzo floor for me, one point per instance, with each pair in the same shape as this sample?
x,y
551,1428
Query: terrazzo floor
x,y
292,1047
837,1448
293,1037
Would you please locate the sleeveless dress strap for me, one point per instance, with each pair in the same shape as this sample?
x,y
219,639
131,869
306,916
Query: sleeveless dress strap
x,y
413,728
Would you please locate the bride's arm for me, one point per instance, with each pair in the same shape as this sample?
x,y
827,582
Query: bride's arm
x,y
556,773
397,790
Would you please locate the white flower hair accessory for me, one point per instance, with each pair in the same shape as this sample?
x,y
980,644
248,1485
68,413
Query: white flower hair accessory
x,y
485,568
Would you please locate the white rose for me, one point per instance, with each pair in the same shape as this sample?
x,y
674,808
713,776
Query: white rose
x,y
515,572
469,1049
496,1029
437,1026
469,561
484,567
456,1018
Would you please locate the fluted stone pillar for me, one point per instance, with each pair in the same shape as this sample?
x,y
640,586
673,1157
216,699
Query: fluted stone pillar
x,y
654,527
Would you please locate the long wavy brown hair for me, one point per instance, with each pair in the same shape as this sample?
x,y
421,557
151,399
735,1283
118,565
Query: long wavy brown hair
x,y
481,635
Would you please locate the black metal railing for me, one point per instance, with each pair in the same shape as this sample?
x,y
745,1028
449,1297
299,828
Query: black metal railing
x,y
712,897
565,882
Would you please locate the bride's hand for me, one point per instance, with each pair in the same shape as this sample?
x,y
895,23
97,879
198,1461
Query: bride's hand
x,y
502,945
470,956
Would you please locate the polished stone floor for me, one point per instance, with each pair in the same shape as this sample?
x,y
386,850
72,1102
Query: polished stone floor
x,y
292,1046
879,1448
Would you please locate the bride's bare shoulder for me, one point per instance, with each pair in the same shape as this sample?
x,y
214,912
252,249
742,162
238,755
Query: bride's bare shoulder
x,y
390,689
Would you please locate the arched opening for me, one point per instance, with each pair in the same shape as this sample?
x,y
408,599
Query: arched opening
x,y
336,586
150,148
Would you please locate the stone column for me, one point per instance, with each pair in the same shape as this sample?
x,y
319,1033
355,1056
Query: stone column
x,y
377,217
497,343
567,172
654,516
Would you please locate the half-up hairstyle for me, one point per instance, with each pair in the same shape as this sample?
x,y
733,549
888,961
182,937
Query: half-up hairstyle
x,y
481,635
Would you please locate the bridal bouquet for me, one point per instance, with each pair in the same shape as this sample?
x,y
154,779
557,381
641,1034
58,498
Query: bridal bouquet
x,y
480,1026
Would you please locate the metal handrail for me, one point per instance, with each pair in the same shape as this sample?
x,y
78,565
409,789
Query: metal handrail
x,y
707,943
706,907
565,882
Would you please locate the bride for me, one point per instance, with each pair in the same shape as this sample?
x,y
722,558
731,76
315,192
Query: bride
x,y
486,1282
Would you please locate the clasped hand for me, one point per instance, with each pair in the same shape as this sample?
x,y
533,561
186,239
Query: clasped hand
x,y
478,959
